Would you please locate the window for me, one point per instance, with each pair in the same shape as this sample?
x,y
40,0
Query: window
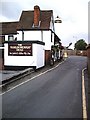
x,y
10,37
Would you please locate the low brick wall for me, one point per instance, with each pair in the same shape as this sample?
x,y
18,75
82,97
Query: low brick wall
x,y
70,52
81,52
76,52
1,59
1,64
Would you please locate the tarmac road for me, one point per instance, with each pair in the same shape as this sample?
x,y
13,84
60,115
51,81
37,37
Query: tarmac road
x,y
54,94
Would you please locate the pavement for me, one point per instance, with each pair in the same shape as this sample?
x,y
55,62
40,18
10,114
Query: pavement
x,y
87,92
6,75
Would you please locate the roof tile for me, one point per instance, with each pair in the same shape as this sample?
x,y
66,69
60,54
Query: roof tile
x,y
26,22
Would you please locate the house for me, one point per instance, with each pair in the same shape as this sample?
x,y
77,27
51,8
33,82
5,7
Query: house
x,y
34,26
6,29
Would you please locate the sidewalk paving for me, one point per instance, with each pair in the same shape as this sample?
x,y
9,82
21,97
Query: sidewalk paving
x,y
8,74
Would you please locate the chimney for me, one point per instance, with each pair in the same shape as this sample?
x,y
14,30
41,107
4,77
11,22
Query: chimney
x,y
36,16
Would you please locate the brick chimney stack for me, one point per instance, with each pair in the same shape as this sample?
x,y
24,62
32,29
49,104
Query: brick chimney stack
x,y
36,16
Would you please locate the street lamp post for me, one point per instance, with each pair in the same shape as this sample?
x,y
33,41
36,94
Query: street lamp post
x,y
57,22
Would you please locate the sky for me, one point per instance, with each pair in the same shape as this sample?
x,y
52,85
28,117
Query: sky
x,y
73,13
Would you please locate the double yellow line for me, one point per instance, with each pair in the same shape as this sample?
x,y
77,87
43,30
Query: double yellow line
x,y
84,96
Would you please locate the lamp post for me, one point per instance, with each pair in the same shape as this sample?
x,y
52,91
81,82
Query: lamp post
x,y
57,22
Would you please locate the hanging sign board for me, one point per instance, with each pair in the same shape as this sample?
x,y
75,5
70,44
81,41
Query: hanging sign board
x,y
16,49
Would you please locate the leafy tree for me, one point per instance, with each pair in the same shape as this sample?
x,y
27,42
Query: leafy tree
x,y
80,45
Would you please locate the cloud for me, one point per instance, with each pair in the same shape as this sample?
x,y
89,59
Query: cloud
x,y
10,10
74,14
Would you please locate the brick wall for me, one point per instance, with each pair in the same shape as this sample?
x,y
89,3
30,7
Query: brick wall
x,y
76,52
81,52
1,59
70,52
47,57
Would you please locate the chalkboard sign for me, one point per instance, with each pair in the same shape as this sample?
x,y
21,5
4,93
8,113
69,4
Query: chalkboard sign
x,y
15,49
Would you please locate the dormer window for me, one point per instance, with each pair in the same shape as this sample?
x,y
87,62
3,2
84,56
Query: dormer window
x,y
34,26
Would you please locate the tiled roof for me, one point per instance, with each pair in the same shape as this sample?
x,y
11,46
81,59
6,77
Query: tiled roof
x,y
45,19
8,28
27,20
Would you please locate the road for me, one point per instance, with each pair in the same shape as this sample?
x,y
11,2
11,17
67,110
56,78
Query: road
x,y
53,94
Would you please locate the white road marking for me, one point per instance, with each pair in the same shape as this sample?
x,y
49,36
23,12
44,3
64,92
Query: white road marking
x,y
84,97
31,78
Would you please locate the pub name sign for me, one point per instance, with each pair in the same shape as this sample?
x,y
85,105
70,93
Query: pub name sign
x,y
19,49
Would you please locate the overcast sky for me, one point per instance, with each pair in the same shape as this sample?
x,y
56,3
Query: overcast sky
x,y
74,15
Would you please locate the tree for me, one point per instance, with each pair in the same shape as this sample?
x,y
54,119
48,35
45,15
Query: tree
x,y
80,45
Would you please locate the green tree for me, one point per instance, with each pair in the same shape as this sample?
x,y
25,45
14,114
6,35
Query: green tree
x,y
80,45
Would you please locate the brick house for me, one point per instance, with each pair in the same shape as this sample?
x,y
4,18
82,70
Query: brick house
x,y
33,25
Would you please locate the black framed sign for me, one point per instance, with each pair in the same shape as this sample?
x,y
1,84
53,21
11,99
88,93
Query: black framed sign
x,y
19,49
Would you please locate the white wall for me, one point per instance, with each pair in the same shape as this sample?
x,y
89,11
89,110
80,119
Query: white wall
x,y
19,35
29,35
52,24
32,35
18,60
40,55
52,38
6,37
44,36
58,29
37,59
47,39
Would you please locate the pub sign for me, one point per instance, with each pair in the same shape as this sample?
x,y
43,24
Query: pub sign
x,y
20,49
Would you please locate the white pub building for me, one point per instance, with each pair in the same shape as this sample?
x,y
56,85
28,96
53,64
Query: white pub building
x,y
28,42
